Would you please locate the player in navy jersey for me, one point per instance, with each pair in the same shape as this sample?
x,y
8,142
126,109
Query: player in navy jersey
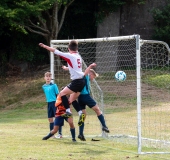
x,y
74,62
51,91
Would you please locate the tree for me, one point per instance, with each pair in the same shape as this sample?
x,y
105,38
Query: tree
x,y
43,17
162,23
46,17
49,22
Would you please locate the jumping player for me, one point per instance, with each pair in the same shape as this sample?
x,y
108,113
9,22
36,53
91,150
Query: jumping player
x,y
85,99
59,120
74,62
74,102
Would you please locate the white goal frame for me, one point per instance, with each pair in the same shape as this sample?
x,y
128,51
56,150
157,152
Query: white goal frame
x,y
139,43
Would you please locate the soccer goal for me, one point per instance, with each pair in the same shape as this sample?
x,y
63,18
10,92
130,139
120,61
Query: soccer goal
x,y
137,111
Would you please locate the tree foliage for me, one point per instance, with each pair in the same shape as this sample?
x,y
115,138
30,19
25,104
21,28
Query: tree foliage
x,y
24,22
162,23
40,16
46,17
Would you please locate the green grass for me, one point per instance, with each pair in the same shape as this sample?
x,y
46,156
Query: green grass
x,y
160,81
23,123
21,132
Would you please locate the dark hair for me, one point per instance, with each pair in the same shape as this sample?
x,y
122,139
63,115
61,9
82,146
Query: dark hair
x,y
73,45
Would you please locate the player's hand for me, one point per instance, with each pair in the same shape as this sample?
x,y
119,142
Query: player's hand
x,y
64,67
93,65
41,44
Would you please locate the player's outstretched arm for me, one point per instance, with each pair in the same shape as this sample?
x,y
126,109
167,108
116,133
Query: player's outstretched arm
x,y
47,47
88,68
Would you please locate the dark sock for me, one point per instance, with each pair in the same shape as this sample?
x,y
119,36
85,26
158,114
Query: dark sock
x,y
48,136
51,126
65,102
60,130
102,120
81,129
73,133
76,106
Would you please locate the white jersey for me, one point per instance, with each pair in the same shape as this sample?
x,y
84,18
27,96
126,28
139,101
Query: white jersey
x,y
74,62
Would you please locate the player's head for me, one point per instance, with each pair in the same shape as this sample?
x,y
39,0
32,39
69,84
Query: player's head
x,y
73,45
47,77
93,74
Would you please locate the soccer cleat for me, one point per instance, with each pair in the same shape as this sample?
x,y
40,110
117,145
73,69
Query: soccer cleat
x,y
59,136
105,129
48,136
67,115
81,119
74,140
81,137
45,138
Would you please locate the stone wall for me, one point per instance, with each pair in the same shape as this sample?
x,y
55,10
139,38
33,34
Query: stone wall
x,y
130,19
110,26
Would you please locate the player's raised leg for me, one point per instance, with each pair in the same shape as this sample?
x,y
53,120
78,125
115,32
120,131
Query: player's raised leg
x,y
66,91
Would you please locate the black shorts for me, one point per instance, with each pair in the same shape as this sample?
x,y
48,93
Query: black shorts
x,y
51,109
77,85
86,99
59,121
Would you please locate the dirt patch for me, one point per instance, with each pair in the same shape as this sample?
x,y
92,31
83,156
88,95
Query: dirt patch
x,y
129,89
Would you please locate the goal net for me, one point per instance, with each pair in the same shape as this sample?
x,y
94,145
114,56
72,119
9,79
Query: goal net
x,y
136,110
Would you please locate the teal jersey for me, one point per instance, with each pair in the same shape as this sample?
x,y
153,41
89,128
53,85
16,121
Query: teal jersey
x,y
86,89
51,91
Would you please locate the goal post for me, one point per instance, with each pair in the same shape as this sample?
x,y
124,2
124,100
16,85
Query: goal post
x,y
134,111
155,93
138,78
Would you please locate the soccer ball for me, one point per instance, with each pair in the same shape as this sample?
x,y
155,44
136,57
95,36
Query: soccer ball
x,y
120,76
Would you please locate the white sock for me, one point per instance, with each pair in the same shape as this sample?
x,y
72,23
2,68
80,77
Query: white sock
x,y
80,112
68,110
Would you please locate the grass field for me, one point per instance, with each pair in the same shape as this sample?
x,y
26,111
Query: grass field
x,y
23,123
21,131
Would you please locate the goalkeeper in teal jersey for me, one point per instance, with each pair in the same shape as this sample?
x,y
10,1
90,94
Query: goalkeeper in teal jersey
x,y
51,91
